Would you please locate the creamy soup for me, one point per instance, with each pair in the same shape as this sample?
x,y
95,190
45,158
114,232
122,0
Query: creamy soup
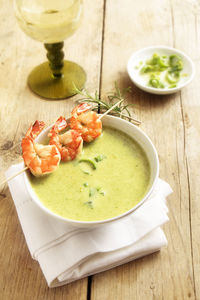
x,y
110,177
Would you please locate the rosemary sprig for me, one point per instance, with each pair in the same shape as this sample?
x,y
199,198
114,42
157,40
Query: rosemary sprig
x,y
120,110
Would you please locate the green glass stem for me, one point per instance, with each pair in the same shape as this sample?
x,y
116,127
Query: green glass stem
x,y
56,78
55,55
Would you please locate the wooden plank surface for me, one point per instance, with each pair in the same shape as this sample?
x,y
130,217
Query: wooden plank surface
x,y
20,276
172,122
172,273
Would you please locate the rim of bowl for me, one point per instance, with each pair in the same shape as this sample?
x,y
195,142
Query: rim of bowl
x,y
91,223
159,90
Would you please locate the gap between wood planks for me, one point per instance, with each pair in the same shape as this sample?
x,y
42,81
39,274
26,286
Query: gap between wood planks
x,y
189,192
89,288
185,153
102,46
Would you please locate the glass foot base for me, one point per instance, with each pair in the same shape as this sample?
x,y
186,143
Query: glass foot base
x,y
42,82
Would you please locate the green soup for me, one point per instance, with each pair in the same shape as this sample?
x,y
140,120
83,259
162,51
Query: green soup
x,y
110,177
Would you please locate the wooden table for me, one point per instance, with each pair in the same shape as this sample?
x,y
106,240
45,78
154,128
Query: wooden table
x,y
110,32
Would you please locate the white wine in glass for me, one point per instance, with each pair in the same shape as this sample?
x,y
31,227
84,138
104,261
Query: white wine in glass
x,y
50,22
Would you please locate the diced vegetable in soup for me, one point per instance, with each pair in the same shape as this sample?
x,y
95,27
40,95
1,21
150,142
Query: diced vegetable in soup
x,y
110,177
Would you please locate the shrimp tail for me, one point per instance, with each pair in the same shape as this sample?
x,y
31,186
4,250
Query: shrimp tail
x,y
35,129
59,125
81,108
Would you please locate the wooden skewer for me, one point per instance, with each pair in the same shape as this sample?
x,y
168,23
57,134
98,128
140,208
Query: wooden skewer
x,y
132,119
136,122
24,169
13,176
110,109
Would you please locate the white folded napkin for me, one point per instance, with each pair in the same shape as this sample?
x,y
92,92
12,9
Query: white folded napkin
x,y
67,253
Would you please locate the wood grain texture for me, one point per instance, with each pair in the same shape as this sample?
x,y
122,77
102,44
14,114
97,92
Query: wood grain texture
x,y
190,107
20,276
173,273
110,32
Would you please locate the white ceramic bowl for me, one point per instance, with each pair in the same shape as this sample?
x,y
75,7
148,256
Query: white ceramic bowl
x,y
146,53
135,133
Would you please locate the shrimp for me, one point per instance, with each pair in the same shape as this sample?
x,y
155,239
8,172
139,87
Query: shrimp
x,y
86,122
69,143
40,159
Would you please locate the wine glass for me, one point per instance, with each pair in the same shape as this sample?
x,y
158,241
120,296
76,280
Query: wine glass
x,y
50,22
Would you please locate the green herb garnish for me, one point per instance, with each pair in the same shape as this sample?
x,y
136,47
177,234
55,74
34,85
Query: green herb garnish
x,y
99,157
92,191
102,193
86,172
90,161
121,110
89,203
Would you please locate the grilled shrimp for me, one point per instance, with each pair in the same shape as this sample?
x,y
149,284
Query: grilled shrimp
x,y
69,143
40,159
86,122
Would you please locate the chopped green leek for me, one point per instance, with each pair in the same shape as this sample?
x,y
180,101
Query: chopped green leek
x,y
172,86
102,193
86,172
92,191
176,62
90,161
173,77
155,82
157,64
147,68
89,203
99,157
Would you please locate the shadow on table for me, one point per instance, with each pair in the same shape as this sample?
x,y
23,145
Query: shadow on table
x,y
141,97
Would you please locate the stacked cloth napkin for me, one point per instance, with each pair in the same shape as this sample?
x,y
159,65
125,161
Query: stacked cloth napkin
x,y
68,253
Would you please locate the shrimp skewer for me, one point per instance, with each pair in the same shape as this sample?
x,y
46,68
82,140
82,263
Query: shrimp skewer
x,y
86,122
40,159
69,143
56,139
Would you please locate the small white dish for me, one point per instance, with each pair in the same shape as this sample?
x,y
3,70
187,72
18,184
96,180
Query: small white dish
x,y
146,53
134,132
